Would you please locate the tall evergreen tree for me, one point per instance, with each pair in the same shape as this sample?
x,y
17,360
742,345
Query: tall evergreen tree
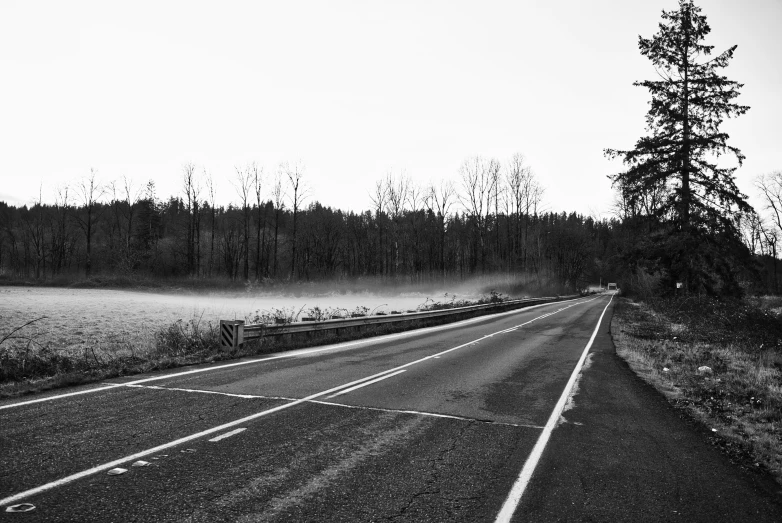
x,y
696,241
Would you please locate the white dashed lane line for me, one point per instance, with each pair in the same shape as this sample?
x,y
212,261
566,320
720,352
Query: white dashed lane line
x,y
228,434
351,389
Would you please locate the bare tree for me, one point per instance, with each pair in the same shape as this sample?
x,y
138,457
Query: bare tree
x,y
260,225
770,187
188,171
244,187
279,196
499,193
771,238
192,187
90,192
380,200
115,226
397,190
124,199
520,183
439,201
60,235
132,197
477,184
415,199
299,193
760,237
210,186
751,228
35,229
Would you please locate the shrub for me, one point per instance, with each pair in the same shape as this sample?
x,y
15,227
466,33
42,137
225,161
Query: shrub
x,y
185,338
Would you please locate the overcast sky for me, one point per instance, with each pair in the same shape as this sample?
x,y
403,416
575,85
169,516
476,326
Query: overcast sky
x,y
353,90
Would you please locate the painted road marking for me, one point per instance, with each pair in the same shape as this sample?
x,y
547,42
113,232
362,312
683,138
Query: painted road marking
x,y
200,391
58,396
241,421
293,354
170,444
514,497
228,434
351,389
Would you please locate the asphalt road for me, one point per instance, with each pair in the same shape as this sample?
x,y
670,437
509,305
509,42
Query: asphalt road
x,y
450,423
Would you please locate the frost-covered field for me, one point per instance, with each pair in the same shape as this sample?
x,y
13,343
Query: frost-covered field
x,y
76,318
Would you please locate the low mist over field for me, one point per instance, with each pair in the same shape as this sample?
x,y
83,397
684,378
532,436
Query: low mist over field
x,y
75,318
148,308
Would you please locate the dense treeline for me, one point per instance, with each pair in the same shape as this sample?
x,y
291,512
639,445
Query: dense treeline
x,y
486,223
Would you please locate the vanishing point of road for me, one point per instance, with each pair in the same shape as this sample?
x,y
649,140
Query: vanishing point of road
x,y
526,415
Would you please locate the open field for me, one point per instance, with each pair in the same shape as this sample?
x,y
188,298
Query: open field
x,y
75,318
720,361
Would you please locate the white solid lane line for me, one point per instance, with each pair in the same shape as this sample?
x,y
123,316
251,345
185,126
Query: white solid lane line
x,y
514,497
227,434
290,354
241,421
351,389
58,396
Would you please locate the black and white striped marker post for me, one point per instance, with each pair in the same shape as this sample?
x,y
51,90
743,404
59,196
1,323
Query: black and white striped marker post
x,y
231,333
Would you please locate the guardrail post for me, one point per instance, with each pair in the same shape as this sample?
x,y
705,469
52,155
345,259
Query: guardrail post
x,y
231,333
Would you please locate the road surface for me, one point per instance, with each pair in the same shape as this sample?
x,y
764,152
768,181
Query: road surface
x,y
489,419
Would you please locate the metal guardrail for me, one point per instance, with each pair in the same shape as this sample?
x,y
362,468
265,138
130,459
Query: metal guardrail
x,y
235,333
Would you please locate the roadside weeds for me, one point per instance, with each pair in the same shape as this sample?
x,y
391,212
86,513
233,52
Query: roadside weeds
x,y
739,396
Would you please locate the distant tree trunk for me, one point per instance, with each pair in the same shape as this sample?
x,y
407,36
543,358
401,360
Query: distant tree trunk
x,y
211,189
245,181
295,175
188,169
278,192
265,272
380,199
90,193
257,186
276,238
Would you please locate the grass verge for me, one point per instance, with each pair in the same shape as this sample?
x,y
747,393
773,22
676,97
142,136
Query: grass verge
x,y
720,361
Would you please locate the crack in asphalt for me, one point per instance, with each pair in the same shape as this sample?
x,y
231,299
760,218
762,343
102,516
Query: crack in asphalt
x,y
434,475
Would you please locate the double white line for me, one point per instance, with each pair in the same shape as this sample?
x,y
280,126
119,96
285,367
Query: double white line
x,y
335,391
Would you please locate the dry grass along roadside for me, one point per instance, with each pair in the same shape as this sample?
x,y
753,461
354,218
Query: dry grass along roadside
x,y
721,361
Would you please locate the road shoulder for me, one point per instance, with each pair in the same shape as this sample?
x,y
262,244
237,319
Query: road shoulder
x,y
621,452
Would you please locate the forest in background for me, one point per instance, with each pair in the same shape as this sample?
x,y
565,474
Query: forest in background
x,y
489,222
